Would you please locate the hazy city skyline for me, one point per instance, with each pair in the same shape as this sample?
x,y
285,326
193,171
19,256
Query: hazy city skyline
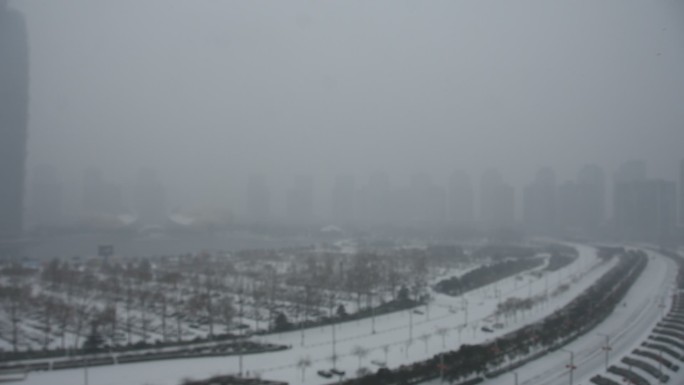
x,y
208,93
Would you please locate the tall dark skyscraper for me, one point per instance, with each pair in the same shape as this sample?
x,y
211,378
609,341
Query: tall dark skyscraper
x,y
681,193
14,81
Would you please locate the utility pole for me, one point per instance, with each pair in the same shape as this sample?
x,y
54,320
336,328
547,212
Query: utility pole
x,y
515,375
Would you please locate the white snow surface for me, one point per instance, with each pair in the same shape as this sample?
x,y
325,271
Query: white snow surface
x,y
627,327
394,330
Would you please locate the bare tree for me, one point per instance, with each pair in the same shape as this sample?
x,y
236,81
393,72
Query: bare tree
x,y
82,314
15,299
144,298
386,349
360,352
443,332
225,311
302,364
425,338
63,316
48,308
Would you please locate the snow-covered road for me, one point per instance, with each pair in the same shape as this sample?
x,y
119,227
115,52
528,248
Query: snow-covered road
x,y
389,344
627,327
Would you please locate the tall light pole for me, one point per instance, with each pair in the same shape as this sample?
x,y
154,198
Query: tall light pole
x,y
334,348
571,366
372,314
662,307
410,337
607,348
515,375
465,308
85,372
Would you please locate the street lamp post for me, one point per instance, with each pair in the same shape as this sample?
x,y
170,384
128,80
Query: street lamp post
x,y
571,366
334,347
372,313
410,337
515,376
465,308
662,308
607,348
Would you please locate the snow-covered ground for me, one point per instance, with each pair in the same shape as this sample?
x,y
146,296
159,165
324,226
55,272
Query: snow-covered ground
x,y
627,327
399,338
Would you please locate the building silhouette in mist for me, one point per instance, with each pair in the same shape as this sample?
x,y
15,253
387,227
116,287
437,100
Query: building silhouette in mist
x,y
375,200
343,200
45,197
646,209
539,203
100,198
258,200
643,209
497,201
460,198
300,200
14,84
425,200
582,203
150,198
591,190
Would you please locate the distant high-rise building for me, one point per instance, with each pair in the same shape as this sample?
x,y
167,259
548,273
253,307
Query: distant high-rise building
x,y
591,199
497,201
567,204
343,199
631,171
645,209
426,200
150,198
376,200
14,85
300,200
100,198
45,197
539,203
258,199
460,198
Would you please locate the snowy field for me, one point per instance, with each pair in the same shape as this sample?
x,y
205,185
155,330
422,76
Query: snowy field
x,y
399,338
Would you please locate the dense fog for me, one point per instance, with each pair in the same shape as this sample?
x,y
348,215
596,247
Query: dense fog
x,y
204,95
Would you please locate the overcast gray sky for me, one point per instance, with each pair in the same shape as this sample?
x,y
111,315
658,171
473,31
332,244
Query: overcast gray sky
x,y
209,91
